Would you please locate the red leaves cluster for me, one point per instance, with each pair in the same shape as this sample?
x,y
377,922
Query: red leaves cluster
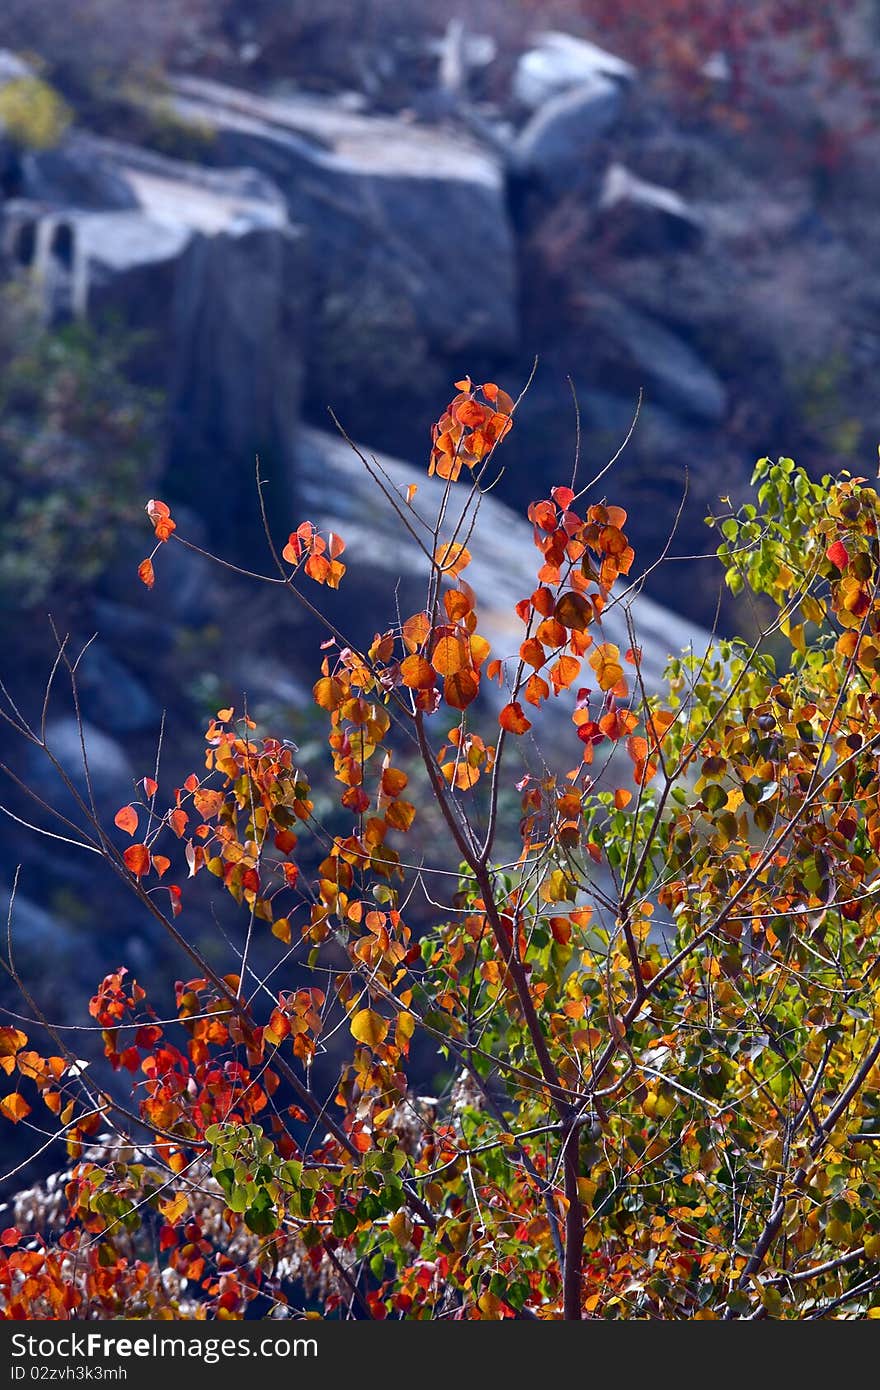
x,y
581,559
469,430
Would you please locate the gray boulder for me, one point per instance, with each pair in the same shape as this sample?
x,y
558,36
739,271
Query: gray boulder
x,y
78,172
49,952
412,254
110,772
641,218
208,270
111,697
13,68
556,149
557,62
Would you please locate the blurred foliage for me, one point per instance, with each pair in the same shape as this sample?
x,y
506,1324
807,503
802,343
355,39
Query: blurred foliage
x,y
77,442
32,113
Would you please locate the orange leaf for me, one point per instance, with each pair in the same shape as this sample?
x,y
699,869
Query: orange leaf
x,y
137,860
452,557
328,693
552,633
460,689
622,798
157,511
564,672
659,724
462,774
126,819
393,781
14,1107
532,653
513,719
12,1040
457,604
416,630
174,1210
417,673
536,690
146,573
400,815
449,656
637,748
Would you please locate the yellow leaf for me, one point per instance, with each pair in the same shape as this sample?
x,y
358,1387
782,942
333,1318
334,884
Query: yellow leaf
x,y
605,661
174,1210
369,1027
281,929
400,1227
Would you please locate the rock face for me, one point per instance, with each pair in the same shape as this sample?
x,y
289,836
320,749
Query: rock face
x,y
205,265
80,173
641,218
627,348
556,148
411,251
339,494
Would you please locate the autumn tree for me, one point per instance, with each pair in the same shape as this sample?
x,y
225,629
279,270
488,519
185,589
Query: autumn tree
x,y
657,1016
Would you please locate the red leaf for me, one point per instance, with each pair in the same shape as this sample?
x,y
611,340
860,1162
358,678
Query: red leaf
x,y
126,819
137,860
838,554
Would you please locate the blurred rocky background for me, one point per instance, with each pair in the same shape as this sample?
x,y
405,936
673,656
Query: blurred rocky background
x,y
219,219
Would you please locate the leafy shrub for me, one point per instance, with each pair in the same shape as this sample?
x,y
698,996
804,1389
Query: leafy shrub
x,y
655,1023
32,113
76,439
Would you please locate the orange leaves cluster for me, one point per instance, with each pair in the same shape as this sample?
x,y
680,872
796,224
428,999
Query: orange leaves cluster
x,y
452,651
465,759
469,430
319,557
163,526
160,515
298,1015
44,1073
